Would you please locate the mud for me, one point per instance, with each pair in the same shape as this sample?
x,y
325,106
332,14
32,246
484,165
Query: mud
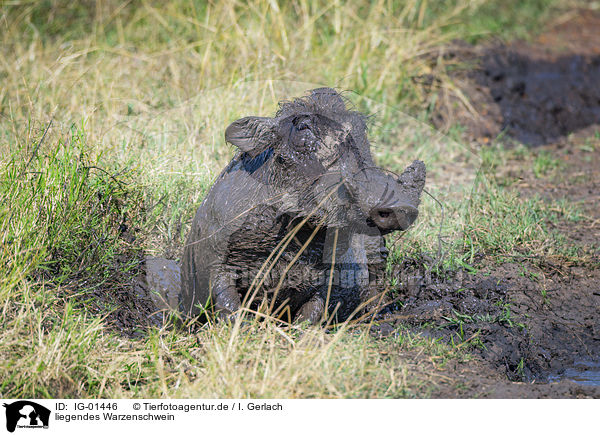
x,y
125,307
535,93
541,98
534,325
125,301
528,330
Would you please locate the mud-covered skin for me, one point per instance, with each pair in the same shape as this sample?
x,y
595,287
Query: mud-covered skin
x,y
310,162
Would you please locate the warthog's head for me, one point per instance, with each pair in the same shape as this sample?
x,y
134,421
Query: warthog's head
x,y
317,151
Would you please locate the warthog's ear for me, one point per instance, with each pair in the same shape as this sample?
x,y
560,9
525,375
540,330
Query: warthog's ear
x,y
252,134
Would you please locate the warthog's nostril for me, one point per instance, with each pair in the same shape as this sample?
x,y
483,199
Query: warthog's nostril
x,y
384,214
393,218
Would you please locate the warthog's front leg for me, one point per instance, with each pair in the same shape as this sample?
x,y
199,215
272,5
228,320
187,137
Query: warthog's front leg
x,y
225,297
374,299
311,310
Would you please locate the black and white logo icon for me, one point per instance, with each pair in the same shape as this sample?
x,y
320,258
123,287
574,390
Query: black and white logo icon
x,y
25,414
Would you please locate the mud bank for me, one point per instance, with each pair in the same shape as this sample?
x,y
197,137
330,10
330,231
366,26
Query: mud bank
x,y
536,320
536,93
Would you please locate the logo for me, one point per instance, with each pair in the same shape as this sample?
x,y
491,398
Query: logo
x,y
26,414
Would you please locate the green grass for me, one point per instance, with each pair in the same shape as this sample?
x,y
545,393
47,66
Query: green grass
x,y
503,20
544,163
139,94
503,224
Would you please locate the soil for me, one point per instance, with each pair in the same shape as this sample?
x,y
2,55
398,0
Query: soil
x,y
536,93
124,300
501,316
544,94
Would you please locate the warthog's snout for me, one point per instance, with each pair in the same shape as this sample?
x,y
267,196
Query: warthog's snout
x,y
389,201
389,219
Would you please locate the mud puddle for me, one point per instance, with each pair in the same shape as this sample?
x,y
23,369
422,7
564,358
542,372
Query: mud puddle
x,y
536,93
583,372
541,99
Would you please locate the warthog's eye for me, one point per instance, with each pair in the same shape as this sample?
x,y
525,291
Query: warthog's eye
x,y
280,159
301,123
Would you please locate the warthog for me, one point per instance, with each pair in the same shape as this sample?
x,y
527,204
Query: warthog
x,y
297,218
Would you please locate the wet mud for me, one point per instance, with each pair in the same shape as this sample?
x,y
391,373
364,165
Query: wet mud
x,y
542,99
535,322
121,298
535,93
530,330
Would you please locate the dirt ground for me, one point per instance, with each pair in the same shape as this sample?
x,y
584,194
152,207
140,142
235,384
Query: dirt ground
x,y
545,94
534,92
554,305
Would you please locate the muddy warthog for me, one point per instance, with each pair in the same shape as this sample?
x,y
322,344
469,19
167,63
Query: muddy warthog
x,y
296,220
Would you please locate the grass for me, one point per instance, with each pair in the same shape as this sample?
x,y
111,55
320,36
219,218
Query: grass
x,y
138,95
508,226
544,163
